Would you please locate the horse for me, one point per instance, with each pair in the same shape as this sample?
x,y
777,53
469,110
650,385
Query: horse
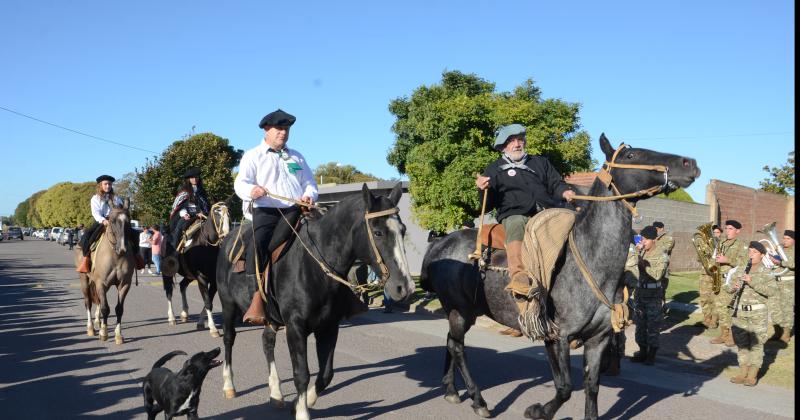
x,y
198,262
113,265
309,298
602,235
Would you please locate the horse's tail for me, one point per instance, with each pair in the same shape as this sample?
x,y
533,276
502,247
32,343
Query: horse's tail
x,y
166,357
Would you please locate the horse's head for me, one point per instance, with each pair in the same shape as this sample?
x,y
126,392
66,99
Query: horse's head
x,y
633,170
386,248
220,222
118,222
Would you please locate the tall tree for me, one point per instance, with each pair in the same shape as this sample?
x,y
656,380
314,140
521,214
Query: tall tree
x,y
66,204
341,174
445,133
161,177
781,178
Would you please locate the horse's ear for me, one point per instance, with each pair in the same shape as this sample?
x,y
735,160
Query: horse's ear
x,y
396,193
367,196
126,204
606,147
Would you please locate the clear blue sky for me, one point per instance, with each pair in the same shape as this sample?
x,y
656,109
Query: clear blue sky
x,y
713,80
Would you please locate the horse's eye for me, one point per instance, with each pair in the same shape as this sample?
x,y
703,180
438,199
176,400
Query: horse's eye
x,y
377,233
630,155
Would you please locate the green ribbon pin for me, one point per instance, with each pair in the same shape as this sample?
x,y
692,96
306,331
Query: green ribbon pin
x,y
293,167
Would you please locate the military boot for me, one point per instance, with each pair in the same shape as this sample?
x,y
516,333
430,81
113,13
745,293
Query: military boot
x,y
519,282
752,376
729,338
721,337
651,356
255,314
707,321
714,322
738,379
640,356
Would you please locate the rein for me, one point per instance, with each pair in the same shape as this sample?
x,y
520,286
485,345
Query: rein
x,y
218,221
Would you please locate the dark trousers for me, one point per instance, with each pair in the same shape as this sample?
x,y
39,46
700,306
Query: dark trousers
x,y
269,230
180,225
93,232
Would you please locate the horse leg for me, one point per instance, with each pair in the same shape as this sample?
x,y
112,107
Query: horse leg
x,y
326,344
298,349
97,317
185,304
168,288
122,292
450,391
455,345
592,354
87,302
268,341
206,311
558,355
104,311
228,320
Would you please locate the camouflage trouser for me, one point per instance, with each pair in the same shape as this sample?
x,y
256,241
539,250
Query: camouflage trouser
x,y
515,227
750,333
721,302
781,306
648,317
706,295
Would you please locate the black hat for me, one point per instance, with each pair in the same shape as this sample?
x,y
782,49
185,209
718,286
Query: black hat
x,y
733,223
789,233
649,232
108,178
192,172
715,227
659,225
277,118
758,246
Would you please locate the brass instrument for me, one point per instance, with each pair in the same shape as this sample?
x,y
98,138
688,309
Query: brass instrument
x,y
773,246
708,247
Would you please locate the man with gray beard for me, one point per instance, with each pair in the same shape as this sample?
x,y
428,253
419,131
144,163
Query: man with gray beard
x,y
520,185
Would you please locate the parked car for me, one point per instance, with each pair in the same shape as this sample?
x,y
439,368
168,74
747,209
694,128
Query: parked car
x,y
13,232
64,236
54,232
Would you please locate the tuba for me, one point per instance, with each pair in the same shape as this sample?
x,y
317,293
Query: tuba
x,y
773,246
707,247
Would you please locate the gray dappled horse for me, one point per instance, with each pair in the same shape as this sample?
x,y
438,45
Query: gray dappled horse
x,y
113,264
198,262
307,300
602,234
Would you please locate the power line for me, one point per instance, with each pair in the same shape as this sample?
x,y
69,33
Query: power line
x,y
76,131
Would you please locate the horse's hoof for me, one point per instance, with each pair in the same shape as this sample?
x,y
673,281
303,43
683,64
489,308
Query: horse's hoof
x,y
534,412
103,337
229,393
200,327
482,412
90,332
184,317
118,340
453,398
277,403
172,322
96,325
215,334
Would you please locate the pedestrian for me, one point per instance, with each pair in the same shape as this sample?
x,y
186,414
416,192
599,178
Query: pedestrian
x,y
155,243
706,284
733,254
648,296
145,248
71,237
782,305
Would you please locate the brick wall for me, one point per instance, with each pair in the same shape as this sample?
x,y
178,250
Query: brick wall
x,y
752,208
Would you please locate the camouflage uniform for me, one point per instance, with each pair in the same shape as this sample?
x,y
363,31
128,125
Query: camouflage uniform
x,y
706,299
781,307
666,242
648,270
736,252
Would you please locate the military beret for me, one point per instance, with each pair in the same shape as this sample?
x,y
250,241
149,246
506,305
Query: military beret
x,y
659,225
503,133
789,233
108,178
192,173
715,227
758,246
649,232
733,223
277,118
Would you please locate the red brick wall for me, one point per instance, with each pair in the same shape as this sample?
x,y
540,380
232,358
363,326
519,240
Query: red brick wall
x,y
752,208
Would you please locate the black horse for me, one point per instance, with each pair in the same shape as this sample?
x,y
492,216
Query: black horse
x,y
310,301
602,234
198,262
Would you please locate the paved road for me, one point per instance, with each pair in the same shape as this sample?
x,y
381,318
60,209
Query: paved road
x,y
387,365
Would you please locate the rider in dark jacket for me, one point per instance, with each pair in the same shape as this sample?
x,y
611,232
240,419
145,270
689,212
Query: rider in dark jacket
x,y
190,202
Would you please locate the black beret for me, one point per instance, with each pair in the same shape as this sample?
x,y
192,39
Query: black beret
x,y
733,223
789,233
649,232
715,227
108,178
192,172
277,118
758,246
659,225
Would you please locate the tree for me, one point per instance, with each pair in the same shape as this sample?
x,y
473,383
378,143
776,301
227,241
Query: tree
x,y
444,135
21,212
781,179
158,181
678,195
341,174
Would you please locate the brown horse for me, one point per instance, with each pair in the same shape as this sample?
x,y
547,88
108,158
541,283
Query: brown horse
x,y
113,264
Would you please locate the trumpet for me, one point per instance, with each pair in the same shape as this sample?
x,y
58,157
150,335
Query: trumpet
x,y
773,246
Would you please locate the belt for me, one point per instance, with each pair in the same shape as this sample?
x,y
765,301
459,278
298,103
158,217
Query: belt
x,y
784,278
753,307
653,285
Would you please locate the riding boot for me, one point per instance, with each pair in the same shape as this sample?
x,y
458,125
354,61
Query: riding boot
x,y
519,284
255,314
640,356
86,265
752,376
651,355
721,337
743,370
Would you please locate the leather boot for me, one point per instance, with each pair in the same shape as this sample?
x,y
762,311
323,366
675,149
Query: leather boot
x,y
139,262
255,314
752,376
714,322
519,282
640,355
86,265
738,379
707,321
720,338
651,356
729,338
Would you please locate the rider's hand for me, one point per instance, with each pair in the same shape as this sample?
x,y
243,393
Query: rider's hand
x,y
257,192
308,200
568,195
105,222
482,182
186,216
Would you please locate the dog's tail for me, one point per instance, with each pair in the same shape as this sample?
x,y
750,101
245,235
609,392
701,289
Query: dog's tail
x,y
166,357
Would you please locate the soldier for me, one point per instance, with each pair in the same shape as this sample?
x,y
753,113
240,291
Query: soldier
x,y
648,280
734,254
666,242
781,307
706,299
753,288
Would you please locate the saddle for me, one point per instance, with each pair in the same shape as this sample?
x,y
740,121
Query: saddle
x,y
188,238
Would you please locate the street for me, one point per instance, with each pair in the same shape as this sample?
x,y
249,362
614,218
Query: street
x,y
386,365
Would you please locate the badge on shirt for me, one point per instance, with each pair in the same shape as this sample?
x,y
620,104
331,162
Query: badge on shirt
x,y
293,167
512,172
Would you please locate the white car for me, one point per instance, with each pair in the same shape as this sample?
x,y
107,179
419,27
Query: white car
x,y
54,233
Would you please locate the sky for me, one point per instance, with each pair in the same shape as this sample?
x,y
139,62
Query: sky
x,y
712,80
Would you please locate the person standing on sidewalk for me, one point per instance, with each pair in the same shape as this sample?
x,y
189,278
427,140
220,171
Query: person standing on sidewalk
x,y
144,248
734,254
155,243
706,286
782,305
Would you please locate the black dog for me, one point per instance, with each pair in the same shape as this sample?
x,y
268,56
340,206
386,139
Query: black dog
x,y
177,394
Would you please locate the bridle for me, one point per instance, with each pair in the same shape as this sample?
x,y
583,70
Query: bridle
x,y
375,250
217,221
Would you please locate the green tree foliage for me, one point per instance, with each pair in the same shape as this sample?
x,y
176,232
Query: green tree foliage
x,y
66,204
444,135
161,177
21,212
33,218
333,172
781,179
678,195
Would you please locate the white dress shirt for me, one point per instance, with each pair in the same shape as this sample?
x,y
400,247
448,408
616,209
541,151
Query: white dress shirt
x,y
100,208
261,167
